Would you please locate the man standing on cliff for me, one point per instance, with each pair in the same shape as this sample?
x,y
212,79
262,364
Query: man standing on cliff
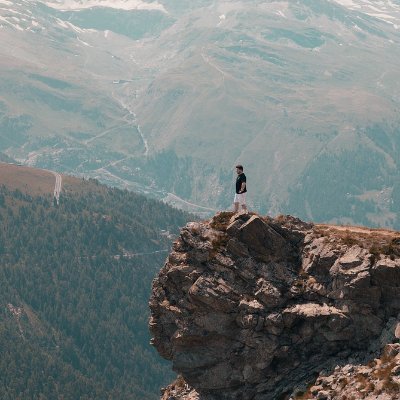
x,y
241,189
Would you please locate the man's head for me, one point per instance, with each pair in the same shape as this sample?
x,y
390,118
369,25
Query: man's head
x,y
239,169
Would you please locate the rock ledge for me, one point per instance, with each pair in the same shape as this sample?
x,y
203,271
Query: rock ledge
x,y
249,307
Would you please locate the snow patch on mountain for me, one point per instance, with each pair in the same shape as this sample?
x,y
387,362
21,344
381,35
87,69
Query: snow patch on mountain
x,y
385,10
68,25
18,16
117,4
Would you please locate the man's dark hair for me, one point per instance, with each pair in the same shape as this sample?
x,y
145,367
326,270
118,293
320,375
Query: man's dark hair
x,y
240,167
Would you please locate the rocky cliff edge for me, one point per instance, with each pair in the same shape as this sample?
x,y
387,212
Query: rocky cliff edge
x,y
249,307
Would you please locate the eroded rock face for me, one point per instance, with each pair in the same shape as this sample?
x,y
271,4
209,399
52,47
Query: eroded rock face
x,y
249,307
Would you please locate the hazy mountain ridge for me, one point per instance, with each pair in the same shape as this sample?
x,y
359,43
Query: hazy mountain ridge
x,y
273,85
121,4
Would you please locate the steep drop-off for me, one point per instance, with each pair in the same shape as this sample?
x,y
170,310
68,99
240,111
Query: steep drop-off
x,y
249,307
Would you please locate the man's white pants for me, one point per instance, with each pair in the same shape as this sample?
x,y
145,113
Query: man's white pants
x,y
240,198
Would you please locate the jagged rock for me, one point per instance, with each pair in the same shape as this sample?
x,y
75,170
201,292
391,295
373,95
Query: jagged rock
x,y
248,307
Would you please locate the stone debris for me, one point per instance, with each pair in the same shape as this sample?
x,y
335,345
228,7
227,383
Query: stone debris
x,y
379,379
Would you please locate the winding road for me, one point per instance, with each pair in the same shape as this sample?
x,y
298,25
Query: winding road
x,y
57,186
180,200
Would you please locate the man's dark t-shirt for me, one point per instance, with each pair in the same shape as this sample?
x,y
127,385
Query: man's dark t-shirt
x,y
241,178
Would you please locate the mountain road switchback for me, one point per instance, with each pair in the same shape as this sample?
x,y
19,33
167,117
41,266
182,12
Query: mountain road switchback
x,y
57,186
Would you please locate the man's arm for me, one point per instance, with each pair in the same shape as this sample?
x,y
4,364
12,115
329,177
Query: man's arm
x,y
243,187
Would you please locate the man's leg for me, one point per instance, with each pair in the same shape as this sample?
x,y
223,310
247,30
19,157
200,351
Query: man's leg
x,y
243,201
236,207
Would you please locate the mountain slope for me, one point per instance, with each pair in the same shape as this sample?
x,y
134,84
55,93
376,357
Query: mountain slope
x,y
287,88
75,281
275,87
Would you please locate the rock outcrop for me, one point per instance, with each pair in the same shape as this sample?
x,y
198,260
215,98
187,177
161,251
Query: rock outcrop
x,y
249,307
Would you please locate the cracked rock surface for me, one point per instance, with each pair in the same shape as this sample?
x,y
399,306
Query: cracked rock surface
x,y
249,307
